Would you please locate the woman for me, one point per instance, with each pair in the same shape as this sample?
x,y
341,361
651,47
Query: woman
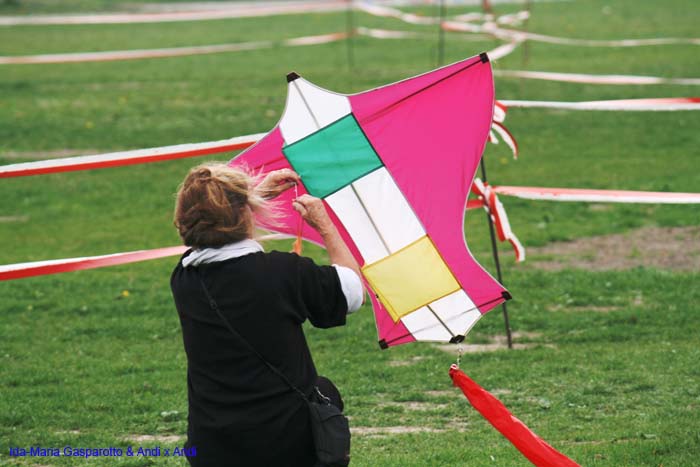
x,y
240,412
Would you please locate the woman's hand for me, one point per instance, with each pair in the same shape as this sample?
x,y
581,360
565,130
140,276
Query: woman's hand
x,y
277,182
314,213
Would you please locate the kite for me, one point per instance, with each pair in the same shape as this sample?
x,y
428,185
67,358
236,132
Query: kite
x,y
394,165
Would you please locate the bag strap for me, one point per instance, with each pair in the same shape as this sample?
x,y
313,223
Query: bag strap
x,y
215,307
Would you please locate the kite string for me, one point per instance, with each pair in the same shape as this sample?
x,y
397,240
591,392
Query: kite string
x,y
296,248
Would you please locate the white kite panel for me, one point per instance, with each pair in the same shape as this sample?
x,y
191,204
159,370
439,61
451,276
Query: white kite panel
x,y
395,220
310,108
349,210
457,311
424,326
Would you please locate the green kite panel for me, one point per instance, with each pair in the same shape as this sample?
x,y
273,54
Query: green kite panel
x,y
333,157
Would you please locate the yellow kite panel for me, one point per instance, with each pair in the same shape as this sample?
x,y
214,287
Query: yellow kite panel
x,y
411,278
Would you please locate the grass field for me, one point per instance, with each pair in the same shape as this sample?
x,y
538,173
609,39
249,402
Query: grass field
x,y
608,367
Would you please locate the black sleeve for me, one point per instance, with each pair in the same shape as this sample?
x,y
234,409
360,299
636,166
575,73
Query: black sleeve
x,y
321,293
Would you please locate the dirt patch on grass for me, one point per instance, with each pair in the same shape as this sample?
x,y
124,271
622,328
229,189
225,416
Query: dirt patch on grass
x,y
423,406
501,392
414,406
670,248
391,430
596,442
495,343
440,393
10,219
385,431
409,362
155,438
586,309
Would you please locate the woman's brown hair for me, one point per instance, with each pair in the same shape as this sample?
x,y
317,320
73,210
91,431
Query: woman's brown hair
x,y
215,206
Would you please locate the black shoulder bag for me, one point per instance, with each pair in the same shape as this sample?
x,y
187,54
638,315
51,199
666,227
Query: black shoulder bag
x,y
329,427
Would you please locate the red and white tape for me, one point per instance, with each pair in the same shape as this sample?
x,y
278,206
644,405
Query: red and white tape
x,y
117,55
383,11
513,19
55,266
595,79
510,19
388,12
486,193
205,12
494,30
664,104
391,33
503,50
377,33
43,268
494,54
495,208
139,156
491,25
499,129
597,196
140,54
510,34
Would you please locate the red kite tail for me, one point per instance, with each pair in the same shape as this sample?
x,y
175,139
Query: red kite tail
x,y
528,443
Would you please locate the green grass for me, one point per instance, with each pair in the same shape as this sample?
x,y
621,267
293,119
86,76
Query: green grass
x,y
85,364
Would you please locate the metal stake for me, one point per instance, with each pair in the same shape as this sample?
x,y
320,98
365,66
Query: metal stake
x,y
441,34
526,43
350,31
494,248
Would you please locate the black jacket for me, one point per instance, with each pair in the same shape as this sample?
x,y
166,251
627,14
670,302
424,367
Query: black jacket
x,y
265,297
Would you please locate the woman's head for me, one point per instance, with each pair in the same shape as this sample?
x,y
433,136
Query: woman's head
x,y
215,206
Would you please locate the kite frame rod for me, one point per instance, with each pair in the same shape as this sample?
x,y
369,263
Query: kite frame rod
x,y
494,249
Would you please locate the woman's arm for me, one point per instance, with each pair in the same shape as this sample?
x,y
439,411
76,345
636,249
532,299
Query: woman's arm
x,y
314,213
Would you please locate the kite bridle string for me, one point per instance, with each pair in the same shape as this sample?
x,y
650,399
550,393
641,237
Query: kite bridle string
x,y
416,331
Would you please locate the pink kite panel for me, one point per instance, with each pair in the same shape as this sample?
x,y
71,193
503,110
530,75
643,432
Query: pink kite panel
x,y
430,132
